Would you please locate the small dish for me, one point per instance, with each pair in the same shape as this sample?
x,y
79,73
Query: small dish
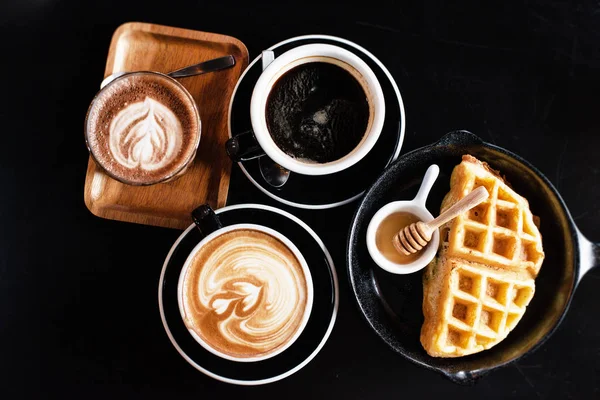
x,y
416,207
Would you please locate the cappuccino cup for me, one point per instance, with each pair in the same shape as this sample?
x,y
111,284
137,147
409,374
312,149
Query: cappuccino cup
x,y
316,109
245,292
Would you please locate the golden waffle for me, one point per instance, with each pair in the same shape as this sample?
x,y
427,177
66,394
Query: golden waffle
x,y
479,285
499,232
477,308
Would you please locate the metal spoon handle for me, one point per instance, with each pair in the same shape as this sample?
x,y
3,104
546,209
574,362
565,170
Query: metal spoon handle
x,y
206,66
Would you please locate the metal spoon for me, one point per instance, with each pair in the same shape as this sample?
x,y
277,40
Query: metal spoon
x,y
215,64
273,173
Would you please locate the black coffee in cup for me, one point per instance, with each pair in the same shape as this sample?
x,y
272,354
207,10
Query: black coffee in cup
x,y
318,112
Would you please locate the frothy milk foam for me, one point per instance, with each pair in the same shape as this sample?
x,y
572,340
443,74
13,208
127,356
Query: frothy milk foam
x,y
145,135
142,128
244,294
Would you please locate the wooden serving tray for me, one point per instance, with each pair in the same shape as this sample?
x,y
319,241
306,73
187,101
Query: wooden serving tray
x,y
140,46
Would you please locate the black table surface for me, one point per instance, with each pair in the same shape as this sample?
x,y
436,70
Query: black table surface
x,y
78,307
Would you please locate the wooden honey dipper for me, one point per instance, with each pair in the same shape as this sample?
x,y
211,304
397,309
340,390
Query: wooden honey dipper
x,y
415,236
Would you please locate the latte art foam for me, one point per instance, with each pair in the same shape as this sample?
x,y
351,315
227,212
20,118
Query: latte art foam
x,y
143,128
245,294
145,135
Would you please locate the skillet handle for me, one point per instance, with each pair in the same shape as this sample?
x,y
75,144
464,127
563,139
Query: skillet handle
x,y
589,255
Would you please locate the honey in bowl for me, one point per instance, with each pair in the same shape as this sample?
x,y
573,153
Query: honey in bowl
x,y
389,227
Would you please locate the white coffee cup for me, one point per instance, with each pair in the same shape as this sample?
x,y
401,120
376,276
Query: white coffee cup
x,y
299,257
317,52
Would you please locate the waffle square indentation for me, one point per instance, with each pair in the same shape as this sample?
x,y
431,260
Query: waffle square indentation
x,y
490,319
466,284
507,218
512,320
505,195
529,252
474,239
522,296
464,312
496,290
459,311
480,213
483,340
504,246
457,338
486,183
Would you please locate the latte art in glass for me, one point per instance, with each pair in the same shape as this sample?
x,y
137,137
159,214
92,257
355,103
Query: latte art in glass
x,y
145,135
143,128
244,294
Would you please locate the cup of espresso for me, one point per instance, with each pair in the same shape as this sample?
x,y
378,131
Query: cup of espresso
x,y
245,292
316,109
143,128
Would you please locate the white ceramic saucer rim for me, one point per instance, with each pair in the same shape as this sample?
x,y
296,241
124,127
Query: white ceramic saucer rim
x,y
376,61
327,332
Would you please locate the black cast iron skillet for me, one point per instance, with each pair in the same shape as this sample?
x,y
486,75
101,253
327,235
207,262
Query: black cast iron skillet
x,y
392,304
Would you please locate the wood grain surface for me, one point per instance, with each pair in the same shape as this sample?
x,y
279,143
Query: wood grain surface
x,y
141,46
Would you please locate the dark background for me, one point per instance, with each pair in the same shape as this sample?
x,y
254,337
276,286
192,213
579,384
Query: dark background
x,y
78,307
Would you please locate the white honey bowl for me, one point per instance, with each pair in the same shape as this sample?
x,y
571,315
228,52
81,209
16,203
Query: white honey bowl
x,y
417,207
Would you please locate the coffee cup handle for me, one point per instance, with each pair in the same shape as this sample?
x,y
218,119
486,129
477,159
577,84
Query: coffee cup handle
x,y
206,220
243,147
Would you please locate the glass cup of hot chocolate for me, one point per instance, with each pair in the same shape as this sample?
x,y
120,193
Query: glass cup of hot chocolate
x,y
316,109
143,128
